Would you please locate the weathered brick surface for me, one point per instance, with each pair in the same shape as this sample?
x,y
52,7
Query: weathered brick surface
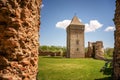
x,y
116,56
19,27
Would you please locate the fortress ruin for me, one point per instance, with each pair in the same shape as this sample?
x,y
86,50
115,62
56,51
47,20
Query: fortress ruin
x,y
95,50
75,42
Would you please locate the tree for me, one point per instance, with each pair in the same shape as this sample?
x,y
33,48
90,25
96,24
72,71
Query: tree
x,y
109,52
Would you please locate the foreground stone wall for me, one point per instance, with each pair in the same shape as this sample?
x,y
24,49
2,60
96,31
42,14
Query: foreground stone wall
x,y
19,27
116,55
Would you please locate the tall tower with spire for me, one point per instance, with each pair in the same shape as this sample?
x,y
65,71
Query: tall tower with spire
x,y
75,39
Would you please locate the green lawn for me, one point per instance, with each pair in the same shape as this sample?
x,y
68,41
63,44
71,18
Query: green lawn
x,y
70,69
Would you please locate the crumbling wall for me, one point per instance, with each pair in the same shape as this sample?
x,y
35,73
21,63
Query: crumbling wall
x,y
89,51
116,55
49,53
95,50
19,27
99,50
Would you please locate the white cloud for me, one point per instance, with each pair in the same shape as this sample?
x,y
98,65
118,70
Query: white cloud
x,y
92,26
63,24
42,6
110,28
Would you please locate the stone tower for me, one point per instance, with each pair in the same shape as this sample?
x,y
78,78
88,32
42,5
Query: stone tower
x,y
75,39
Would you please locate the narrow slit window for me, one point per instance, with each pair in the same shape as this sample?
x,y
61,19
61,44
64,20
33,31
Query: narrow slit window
x,y
77,49
77,42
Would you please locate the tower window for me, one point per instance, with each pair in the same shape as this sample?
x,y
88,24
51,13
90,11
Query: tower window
x,y
77,42
77,49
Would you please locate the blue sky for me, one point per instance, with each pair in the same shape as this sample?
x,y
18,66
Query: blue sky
x,y
97,15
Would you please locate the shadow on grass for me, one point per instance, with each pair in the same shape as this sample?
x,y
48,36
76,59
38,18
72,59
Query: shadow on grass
x,y
106,78
107,71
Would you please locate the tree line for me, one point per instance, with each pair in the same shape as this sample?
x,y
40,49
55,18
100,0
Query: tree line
x,y
109,52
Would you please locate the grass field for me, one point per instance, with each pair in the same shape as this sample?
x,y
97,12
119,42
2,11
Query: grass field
x,y
70,69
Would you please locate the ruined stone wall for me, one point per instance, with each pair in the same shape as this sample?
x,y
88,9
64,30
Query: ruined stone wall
x,y
19,27
99,50
116,55
95,50
49,53
89,51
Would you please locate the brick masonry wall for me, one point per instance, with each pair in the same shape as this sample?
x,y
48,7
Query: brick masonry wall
x,y
19,29
116,55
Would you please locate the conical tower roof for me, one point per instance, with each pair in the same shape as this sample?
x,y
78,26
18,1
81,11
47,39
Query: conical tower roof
x,y
76,21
